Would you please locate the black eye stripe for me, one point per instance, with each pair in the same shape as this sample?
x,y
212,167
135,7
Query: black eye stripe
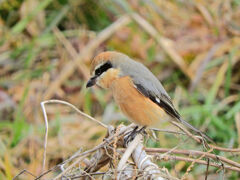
x,y
98,71
103,68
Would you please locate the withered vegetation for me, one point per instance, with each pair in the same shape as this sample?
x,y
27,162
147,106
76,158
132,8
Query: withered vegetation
x,y
46,47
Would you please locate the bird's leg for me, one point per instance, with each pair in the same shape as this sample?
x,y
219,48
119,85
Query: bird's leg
x,y
142,130
133,134
135,129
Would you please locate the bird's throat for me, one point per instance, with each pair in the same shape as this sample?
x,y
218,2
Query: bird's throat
x,y
107,78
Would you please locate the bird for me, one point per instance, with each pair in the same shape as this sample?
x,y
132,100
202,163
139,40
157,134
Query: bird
x,y
136,90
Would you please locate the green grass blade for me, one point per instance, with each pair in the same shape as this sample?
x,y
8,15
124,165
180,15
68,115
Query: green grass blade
x,y
233,110
57,18
21,25
219,79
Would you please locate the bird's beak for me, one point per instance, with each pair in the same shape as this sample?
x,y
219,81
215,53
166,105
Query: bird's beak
x,y
91,82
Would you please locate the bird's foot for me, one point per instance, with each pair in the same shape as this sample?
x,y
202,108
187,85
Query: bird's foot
x,y
133,134
143,130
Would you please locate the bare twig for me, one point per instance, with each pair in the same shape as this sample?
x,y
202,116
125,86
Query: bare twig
x,y
207,169
178,158
129,172
167,131
192,153
142,161
192,165
71,166
115,157
132,145
135,148
196,138
22,172
101,156
131,150
237,150
46,122
145,164
101,145
76,109
46,135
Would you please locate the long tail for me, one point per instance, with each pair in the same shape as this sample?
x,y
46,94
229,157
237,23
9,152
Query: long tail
x,y
195,130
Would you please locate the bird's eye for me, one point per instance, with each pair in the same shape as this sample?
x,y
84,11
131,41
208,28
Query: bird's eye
x,y
98,71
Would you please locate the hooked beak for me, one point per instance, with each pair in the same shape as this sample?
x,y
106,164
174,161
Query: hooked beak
x,y
91,82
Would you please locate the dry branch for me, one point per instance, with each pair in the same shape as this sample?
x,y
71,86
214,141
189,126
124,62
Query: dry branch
x,y
143,166
193,153
180,158
46,122
110,151
144,163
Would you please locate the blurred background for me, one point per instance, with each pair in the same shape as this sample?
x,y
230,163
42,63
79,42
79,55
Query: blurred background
x,y
46,47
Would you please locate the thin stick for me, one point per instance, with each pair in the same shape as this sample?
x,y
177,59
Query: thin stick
x,y
71,166
167,131
46,135
178,158
193,152
86,153
237,150
22,172
187,132
197,138
192,165
206,174
76,109
46,123
133,144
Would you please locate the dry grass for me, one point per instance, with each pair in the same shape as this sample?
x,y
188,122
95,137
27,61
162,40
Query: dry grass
x,y
193,47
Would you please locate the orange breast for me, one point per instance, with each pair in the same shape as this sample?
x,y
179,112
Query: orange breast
x,y
107,78
140,109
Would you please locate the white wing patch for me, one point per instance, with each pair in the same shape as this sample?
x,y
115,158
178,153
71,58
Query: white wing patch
x,y
157,99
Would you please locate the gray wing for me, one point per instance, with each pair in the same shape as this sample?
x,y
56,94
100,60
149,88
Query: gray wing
x,y
150,86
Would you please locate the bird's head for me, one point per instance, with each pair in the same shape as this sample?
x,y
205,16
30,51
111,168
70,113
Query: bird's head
x,y
105,68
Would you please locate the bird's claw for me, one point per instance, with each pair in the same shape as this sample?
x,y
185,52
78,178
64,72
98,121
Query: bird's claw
x,y
133,134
